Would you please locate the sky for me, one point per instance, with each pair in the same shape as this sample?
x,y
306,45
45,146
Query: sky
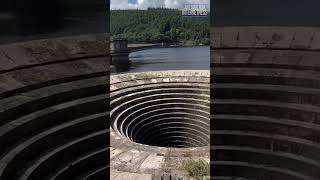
x,y
144,4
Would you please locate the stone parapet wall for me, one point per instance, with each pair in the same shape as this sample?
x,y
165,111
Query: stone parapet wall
x,y
35,52
307,38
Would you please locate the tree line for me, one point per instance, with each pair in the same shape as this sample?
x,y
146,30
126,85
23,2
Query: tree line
x,y
157,25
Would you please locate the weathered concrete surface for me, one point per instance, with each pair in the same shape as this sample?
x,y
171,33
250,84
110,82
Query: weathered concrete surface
x,y
265,103
118,175
52,108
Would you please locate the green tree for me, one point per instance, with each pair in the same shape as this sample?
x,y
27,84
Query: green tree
x,y
159,25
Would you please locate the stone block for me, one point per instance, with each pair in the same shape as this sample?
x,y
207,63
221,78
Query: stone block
x,y
215,37
229,37
281,37
302,38
315,43
247,38
263,38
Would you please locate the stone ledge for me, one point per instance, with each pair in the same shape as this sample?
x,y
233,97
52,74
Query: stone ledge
x,y
50,50
306,38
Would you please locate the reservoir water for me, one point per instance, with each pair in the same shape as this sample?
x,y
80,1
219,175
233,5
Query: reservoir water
x,y
179,58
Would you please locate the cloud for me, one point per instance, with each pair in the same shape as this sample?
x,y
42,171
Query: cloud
x,y
122,4
144,4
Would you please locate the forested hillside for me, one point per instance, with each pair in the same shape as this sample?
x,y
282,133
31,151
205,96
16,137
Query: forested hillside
x,y
159,25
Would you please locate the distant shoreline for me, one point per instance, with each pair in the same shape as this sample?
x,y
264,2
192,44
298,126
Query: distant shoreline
x,y
186,45
172,46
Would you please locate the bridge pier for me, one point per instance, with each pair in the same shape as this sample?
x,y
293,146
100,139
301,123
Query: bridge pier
x,y
120,55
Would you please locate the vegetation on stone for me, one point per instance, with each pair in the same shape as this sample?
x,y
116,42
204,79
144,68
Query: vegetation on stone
x,y
197,169
157,25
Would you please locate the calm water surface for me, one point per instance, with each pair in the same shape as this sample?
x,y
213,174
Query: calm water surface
x,y
182,58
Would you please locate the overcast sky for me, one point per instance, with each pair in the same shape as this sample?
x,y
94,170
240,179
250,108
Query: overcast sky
x,y
143,4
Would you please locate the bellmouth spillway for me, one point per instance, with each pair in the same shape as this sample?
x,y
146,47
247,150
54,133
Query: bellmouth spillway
x,y
155,115
53,109
167,108
265,118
